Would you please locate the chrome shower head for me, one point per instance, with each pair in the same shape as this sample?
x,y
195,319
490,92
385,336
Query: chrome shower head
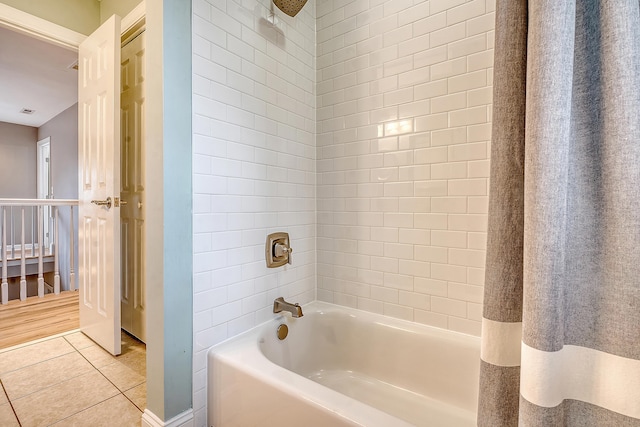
x,y
290,7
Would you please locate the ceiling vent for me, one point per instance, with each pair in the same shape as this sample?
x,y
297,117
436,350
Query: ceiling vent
x,y
27,111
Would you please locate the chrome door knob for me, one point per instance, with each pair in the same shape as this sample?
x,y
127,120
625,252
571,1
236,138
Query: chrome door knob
x,y
106,202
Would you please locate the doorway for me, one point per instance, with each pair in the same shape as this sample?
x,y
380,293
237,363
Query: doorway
x,y
132,249
110,147
132,210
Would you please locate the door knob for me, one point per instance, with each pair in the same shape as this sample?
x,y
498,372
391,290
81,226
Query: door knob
x,y
106,203
123,202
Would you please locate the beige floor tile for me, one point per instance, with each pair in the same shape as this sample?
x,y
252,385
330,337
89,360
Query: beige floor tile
x,y
30,355
45,374
3,396
7,417
121,376
79,340
63,400
138,395
117,411
136,360
129,341
97,356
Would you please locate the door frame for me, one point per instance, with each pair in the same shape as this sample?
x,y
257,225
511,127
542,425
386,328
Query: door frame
x,y
169,25
41,29
43,193
128,324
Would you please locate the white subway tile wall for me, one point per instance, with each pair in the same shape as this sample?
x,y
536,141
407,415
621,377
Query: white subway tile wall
x,y
362,128
404,92
254,167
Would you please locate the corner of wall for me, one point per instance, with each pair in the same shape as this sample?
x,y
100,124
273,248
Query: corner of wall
x,y
185,419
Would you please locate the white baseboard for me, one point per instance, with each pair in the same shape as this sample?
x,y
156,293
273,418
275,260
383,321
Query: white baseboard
x,y
185,419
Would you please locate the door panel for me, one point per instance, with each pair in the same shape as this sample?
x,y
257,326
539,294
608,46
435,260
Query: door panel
x,y
44,184
99,163
132,214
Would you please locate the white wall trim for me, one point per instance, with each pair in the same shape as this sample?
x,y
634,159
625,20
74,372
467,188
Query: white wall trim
x,y
39,28
185,419
133,18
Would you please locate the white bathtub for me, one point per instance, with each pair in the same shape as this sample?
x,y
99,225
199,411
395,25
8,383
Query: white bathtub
x,y
344,367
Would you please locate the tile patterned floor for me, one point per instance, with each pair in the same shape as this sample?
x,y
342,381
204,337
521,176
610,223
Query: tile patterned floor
x,y
70,381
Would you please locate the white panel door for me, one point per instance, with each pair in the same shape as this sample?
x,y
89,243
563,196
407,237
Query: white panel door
x,y
99,192
132,182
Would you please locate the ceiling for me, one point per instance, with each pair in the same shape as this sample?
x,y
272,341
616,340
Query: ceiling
x,y
34,75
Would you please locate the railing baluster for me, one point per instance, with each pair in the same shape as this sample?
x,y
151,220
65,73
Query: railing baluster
x,y
13,234
40,254
72,274
50,230
23,265
5,284
33,230
18,249
56,263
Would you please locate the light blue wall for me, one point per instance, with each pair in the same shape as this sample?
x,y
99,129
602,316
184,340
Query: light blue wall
x,y
178,247
169,270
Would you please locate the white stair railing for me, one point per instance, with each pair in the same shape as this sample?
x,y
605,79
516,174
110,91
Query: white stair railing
x,y
40,253
42,250
23,260
5,285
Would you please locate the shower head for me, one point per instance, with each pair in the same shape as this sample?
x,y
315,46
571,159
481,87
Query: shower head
x,y
290,7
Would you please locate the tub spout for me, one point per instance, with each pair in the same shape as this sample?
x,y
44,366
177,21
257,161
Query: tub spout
x,y
279,304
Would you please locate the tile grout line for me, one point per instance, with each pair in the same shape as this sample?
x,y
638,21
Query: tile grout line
x,y
38,341
10,403
132,402
36,363
76,350
97,370
44,388
93,406
61,382
111,382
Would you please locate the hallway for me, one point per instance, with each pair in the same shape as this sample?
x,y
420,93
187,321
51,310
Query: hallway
x,y
69,381
36,318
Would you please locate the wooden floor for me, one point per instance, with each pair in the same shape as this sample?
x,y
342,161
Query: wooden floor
x,y
34,318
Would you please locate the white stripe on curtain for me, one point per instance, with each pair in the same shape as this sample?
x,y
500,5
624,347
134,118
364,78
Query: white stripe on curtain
x,y
579,373
501,342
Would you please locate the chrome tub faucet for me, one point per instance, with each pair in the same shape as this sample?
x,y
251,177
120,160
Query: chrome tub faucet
x,y
279,304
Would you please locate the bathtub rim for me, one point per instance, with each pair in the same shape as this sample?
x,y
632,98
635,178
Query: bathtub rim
x,y
243,352
322,306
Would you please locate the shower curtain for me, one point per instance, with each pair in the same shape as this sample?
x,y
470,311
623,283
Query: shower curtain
x,y
561,321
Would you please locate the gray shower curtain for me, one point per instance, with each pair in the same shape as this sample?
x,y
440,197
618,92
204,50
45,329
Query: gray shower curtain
x,y
561,322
